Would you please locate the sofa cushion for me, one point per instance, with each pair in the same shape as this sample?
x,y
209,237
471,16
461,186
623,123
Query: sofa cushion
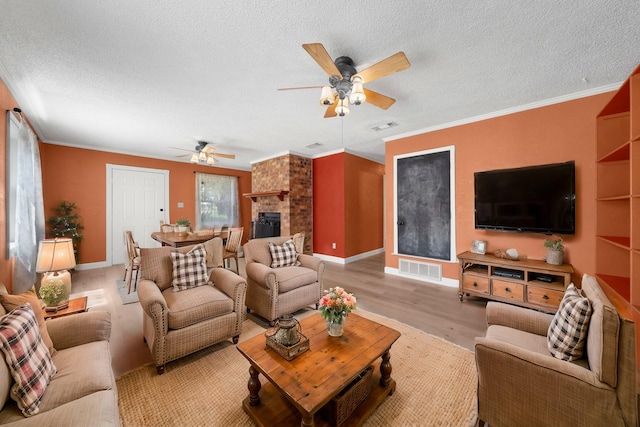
x,y
28,358
283,255
82,370
190,269
298,242
195,305
290,278
257,250
9,302
568,329
214,249
604,327
156,265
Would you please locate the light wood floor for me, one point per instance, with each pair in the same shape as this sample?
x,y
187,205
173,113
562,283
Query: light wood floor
x,y
432,308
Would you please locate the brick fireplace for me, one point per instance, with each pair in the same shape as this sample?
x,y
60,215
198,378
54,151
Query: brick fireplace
x,y
284,184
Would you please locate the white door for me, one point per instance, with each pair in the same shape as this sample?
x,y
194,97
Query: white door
x,y
138,200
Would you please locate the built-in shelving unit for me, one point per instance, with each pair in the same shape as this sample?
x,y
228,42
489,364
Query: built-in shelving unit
x,y
618,199
277,193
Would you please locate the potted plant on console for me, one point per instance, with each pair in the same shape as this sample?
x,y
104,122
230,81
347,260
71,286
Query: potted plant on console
x,y
555,251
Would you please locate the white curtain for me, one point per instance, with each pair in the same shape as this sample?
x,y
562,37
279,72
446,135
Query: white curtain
x,y
217,202
29,224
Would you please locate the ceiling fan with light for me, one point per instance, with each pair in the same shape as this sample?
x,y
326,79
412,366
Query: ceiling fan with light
x,y
204,153
346,83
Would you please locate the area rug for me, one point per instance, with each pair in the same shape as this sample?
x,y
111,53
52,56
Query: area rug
x,y
122,291
436,385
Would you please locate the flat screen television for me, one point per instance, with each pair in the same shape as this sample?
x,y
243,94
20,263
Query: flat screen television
x,y
537,199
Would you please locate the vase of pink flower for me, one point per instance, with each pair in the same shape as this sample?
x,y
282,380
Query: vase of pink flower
x,y
335,305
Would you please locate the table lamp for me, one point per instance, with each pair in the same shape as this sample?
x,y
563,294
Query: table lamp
x,y
55,257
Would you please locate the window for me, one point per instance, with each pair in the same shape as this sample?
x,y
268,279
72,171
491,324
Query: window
x,y
217,203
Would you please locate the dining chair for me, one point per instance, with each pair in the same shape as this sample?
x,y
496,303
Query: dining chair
x,y
232,246
166,227
132,262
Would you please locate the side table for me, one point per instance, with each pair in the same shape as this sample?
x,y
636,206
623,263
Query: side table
x,y
76,305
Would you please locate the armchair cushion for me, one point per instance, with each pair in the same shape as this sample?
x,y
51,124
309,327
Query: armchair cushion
x,y
283,255
28,358
568,330
190,269
194,305
293,277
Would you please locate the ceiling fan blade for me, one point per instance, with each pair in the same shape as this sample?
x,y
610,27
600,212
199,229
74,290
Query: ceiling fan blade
x,y
178,148
301,87
320,55
378,99
226,156
330,112
183,155
393,64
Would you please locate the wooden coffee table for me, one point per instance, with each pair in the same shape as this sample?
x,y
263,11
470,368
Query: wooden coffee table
x,y
299,388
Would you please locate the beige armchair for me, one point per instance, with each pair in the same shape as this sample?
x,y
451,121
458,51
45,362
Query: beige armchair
x,y
176,324
272,292
521,384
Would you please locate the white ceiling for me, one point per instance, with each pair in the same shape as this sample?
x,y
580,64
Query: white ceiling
x,y
139,77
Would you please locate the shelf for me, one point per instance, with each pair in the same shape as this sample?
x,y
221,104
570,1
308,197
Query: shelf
x,y
620,241
620,153
621,285
278,193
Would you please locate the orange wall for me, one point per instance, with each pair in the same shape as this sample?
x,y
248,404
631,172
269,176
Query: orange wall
x,y
364,205
7,103
347,205
329,205
551,134
80,176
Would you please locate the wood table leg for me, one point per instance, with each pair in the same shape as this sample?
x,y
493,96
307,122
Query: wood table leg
x,y
254,386
385,369
307,420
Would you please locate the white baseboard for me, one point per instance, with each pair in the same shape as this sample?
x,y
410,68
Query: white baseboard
x,y
445,281
350,259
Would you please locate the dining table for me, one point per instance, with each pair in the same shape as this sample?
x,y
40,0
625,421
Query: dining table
x,y
177,240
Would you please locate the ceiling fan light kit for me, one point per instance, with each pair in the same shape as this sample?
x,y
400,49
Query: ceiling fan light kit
x,y
205,154
346,84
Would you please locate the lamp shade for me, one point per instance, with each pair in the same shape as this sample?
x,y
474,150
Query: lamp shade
x,y
326,97
342,109
55,255
357,91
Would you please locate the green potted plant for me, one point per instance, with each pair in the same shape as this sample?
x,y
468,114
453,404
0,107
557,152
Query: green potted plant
x,y
555,250
182,226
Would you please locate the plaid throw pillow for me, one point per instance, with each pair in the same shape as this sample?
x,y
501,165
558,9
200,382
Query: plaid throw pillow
x,y
283,256
568,329
27,356
190,269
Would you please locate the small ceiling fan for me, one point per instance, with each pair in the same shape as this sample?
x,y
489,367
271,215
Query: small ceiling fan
x,y
346,83
204,153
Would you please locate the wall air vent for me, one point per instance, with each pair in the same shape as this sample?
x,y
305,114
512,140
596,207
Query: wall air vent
x,y
423,270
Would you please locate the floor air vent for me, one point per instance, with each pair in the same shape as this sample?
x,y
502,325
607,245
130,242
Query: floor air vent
x,y
422,270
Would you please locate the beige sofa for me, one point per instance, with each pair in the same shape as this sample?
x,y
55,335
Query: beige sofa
x,y
176,324
272,292
83,391
521,384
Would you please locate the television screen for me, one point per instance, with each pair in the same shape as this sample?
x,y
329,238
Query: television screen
x,y
539,199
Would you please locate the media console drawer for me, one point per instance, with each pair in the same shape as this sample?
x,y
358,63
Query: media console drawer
x,y
530,283
505,289
475,283
543,296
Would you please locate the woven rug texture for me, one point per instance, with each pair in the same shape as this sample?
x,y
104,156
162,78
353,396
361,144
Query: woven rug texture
x,y
126,298
436,385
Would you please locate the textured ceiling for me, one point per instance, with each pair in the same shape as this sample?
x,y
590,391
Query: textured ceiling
x,y
139,77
